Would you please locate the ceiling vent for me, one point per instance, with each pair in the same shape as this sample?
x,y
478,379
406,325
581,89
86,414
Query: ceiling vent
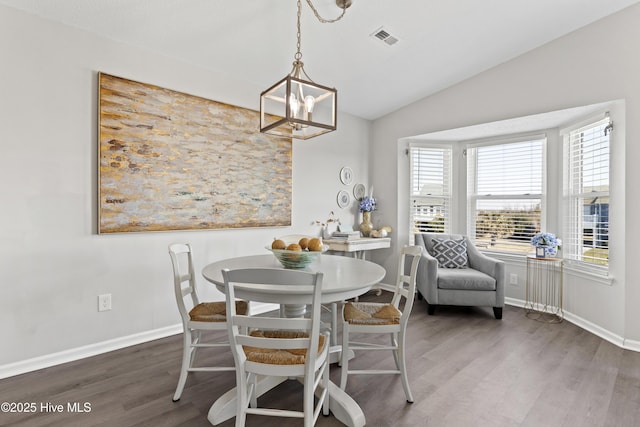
x,y
384,36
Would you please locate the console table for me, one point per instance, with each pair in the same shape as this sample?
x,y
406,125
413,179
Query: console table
x,y
358,247
544,289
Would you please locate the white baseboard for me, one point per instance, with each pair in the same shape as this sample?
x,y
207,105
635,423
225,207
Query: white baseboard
x,y
590,327
595,329
514,302
46,361
632,345
36,363
77,353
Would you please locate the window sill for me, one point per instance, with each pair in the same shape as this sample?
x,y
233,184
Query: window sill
x,y
582,272
597,275
511,258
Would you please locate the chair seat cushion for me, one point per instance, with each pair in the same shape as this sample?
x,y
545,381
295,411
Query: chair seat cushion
x,y
271,356
371,313
465,279
215,311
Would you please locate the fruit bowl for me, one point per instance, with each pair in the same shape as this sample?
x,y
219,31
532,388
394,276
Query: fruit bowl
x,y
296,259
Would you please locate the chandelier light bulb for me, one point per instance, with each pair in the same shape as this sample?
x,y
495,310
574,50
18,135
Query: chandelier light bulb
x,y
295,105
309,103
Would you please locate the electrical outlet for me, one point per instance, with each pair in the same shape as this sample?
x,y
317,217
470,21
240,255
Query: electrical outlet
x,y
104,302
513,279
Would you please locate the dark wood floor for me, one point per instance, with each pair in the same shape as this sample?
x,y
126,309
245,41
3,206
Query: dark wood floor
x,y
466,369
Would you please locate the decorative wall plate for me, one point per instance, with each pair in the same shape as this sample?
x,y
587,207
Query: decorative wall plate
x,y
359,191
343,199
346,175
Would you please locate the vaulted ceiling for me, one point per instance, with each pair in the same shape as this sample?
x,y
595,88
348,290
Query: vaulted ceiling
x,y
440,42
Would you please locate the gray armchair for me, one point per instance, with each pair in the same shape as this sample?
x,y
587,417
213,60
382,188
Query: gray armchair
x,y
480,283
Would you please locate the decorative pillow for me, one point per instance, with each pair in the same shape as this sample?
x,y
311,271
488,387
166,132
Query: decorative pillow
x,y
450,253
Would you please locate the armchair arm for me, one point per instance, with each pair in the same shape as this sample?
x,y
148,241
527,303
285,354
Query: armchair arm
x,y
427,277
490,266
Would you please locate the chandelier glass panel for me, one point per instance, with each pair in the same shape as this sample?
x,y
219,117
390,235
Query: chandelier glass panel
x,y
296,106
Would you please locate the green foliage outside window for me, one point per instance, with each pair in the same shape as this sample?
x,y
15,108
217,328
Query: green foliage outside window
x,y
436,225
507,229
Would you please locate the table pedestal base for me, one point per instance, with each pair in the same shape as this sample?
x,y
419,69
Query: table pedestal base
x,y
342,406
293,310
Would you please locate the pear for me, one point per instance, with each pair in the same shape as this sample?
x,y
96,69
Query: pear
x,y
294,247
304,243
315,245
278,244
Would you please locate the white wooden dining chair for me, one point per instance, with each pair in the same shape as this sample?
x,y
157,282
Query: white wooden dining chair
x,y
332,308
278,347
196,316
380,318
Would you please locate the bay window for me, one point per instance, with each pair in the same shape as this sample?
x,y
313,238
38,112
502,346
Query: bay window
x,y
586,182
430,189
505,196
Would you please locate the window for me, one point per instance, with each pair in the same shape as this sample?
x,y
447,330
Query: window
x,y
505,193
430,189
587,194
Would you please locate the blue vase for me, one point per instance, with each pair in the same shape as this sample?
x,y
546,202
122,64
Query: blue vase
x,y
549,251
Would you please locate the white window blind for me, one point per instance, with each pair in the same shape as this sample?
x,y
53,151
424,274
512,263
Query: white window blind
x,y
430,189
505,194
587,194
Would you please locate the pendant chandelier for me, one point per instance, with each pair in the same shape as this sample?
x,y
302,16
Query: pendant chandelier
x,y
296,106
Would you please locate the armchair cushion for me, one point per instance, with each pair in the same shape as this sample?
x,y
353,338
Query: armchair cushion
x,y
450,253
465,279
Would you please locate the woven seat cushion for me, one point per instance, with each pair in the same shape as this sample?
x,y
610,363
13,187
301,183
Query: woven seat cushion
x,y
272,356
215,311
371,313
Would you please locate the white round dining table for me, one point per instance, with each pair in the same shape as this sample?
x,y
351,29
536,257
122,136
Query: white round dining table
x,y
343,278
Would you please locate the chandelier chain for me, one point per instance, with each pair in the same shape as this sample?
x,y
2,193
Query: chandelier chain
x,y
327,21
298,54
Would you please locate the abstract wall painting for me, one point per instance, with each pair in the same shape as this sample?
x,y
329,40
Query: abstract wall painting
x,y
173,161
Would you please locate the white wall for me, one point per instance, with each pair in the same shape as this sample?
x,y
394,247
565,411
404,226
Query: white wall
x,y
595,64
53,264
